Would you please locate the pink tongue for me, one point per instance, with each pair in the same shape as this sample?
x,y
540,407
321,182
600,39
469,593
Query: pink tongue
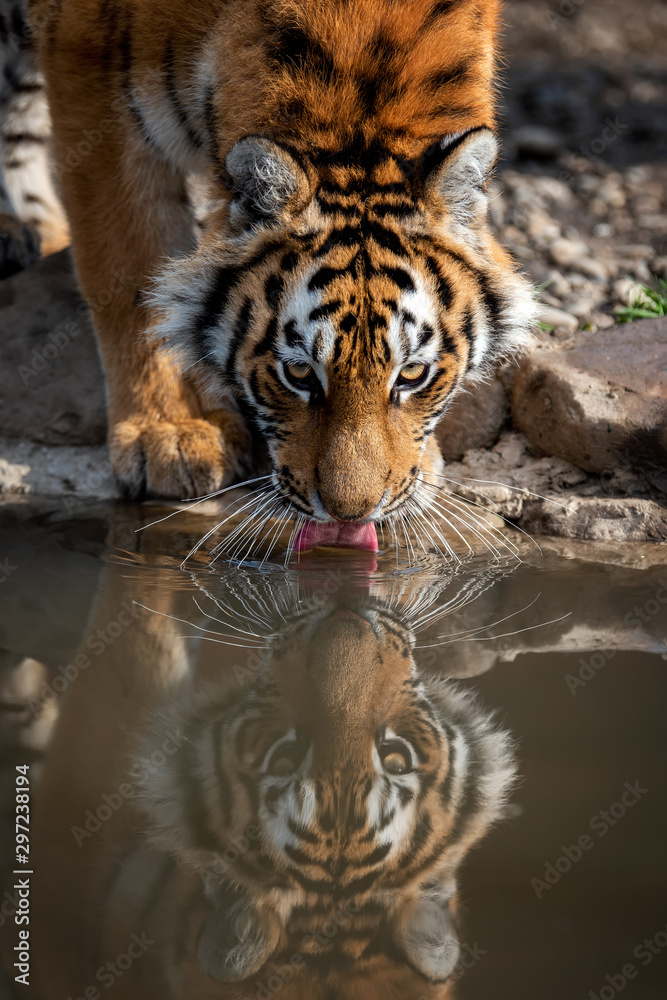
x,y
349,535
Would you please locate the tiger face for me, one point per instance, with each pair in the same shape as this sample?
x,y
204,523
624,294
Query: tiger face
x,y
337,788
349,297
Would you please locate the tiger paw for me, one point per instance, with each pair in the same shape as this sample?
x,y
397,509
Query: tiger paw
x,y
19,245
152,457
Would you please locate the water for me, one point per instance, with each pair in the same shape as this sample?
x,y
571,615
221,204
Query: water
x,y
348,776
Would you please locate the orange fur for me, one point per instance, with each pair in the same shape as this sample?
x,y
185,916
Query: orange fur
x,y
367,99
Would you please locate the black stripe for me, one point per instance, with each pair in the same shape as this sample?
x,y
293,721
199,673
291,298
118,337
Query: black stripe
x,y
324,310
268,341
14,138
438,11
172,92
386,238
399,277
294,48
444,77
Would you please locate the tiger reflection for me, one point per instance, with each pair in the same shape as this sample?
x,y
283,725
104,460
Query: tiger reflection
x,y
307,832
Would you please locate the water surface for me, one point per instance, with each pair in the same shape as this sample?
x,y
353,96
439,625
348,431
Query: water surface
x,y
411,775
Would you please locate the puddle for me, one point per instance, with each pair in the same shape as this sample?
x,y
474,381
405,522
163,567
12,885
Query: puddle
x,y
352,775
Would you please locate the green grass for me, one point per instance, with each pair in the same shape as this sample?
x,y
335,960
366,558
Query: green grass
x,y
656,304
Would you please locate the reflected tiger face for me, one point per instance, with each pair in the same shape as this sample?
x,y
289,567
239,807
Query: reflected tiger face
x,y
336,785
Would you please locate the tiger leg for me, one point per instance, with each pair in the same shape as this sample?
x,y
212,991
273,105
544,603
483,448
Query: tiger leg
x,y
128,210
19,243
26,134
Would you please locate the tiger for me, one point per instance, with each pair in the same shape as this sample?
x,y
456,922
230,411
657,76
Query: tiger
x,y
292,814
347,283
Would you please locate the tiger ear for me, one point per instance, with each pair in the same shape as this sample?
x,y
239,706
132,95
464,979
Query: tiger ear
x,y
425,933
234,941
457,170
265,179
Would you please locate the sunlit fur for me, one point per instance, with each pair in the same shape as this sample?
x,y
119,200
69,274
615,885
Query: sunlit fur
x,y
338,843
347,147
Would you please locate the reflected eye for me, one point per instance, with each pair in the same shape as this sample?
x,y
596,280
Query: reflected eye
x,y
412,374
300,374
285,760
396,758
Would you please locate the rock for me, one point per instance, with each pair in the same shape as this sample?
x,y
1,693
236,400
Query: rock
x,y
537,142
549,187
474,420
630,293
595,269
602,321
543,229
557,284
550,496
581,308
659,267
598,519
601,403
556,318
635,251
564,252
51,384
74,473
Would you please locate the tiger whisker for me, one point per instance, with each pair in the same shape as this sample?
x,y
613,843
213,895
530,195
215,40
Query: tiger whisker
x,y
276,533
499,621
212,618
429,525
507,486
222,642
299,521
466,524
257,506
252,531
184,621
497,511
198,500
424,499
417,517
474,524
408,542
503,635
256,532
202,541
261,495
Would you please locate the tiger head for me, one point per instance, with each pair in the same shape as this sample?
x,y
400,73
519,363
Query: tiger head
x,y
328,800
343,300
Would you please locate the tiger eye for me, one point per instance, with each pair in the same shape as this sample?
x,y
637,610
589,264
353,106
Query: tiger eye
x,y
283,766
395,763
413,372
299,370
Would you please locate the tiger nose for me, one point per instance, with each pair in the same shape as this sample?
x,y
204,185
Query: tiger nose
x,y
343,509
